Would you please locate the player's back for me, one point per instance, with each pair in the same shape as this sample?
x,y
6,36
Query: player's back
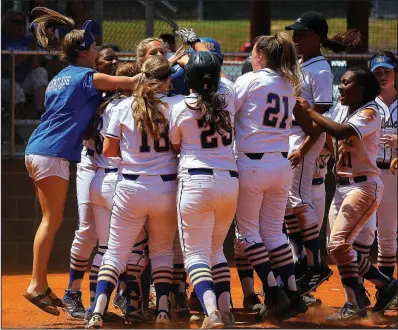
x,y
201,145
264,102
357,154
140,152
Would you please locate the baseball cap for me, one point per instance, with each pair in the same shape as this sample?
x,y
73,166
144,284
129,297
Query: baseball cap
x,y
212,45
88,38
310,20
382,61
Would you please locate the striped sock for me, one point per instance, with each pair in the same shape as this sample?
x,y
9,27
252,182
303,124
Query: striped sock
x,y
258,258
202,282
122,284
283,266
107,280
310,237
246,274
387,264
349,278
178,277
293,232
95,267
371,273
134,287
162,278
77,267
222,285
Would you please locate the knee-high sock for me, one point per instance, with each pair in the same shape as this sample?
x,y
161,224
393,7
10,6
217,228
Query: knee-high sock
x,y
222,285
95,267
293,232
162,279
349,277
77,267
371,273
258,258
202,281
107,280
246,274
283,266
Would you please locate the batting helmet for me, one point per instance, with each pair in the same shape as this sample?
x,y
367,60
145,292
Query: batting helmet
x,y
247,65
202,72
212,45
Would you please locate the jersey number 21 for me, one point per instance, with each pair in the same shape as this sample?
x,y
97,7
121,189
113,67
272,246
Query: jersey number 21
x,y
271,115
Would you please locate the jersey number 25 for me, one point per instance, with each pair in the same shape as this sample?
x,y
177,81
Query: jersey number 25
x,y
271,114
209,137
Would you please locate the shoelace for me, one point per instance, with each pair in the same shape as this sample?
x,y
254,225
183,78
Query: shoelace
x,y
77,302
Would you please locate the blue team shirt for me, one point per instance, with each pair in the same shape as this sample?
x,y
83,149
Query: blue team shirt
x,y
71,101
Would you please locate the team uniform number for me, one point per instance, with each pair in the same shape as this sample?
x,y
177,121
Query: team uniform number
x,y
159,145
209,137
271,114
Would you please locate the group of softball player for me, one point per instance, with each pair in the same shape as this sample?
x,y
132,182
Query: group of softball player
x,y
173,152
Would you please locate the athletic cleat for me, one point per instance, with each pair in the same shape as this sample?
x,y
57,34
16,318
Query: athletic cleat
x,y
252,303
310,300
276,301
365,294
95,322
299,270
228,319
197,318
313,279
297,306
347,312
394,304
213,321
179,305
73,305
163,320
194,303
385,297
108,317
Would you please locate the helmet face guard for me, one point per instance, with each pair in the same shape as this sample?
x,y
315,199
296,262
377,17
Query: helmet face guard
x,y
202,72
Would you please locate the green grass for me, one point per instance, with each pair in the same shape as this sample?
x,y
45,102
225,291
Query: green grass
x,y
232,34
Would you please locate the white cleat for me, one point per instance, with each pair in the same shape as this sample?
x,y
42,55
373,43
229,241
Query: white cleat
x,y
95,322
162,320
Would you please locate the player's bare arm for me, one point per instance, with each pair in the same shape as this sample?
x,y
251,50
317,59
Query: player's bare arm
x,y
296,156
111,147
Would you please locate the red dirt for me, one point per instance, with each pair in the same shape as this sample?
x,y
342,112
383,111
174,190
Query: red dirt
x,y
17,312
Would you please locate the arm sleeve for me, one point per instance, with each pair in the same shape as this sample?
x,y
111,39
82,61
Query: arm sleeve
x,y
365,123
322,87
174,130
114,129
88,84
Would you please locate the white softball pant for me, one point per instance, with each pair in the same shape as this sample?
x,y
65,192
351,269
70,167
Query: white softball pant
x,y
206,207
263,194
351,209
85,236
318,193
300,189
138,201
387,217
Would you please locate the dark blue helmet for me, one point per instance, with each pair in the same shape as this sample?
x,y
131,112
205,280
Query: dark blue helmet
x,y
202,72
213,46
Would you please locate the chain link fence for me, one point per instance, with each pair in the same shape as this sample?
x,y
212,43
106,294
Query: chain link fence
x,y
124,23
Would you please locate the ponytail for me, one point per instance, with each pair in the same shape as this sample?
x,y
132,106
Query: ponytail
x,y
344,41
146,113
212,111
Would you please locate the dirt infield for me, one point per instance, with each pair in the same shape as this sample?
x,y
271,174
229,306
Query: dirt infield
x,y
19,313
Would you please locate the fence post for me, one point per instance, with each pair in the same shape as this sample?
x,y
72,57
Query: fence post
x,y
12,106
99,11
200,10
150,17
